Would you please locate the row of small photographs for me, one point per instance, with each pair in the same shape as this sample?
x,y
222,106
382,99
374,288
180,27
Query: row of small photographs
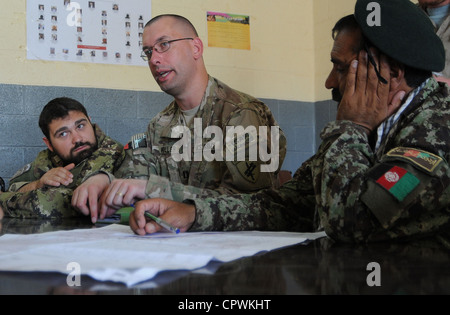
x,y
54,28
54,19
41,8
91,5
127,24
92,53
54,38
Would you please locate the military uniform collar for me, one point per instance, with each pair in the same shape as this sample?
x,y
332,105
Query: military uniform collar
x,y
205,109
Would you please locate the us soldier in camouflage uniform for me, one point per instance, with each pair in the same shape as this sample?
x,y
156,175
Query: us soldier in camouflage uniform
x,y
76,149
201,102
382,170
178,180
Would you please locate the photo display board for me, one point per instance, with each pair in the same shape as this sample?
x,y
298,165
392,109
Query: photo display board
x,y
100,31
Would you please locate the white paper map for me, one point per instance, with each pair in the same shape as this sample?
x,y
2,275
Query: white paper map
x,y
115,253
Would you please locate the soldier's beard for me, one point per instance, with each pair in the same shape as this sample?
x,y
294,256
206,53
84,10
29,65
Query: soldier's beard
x,y
79,157
336,95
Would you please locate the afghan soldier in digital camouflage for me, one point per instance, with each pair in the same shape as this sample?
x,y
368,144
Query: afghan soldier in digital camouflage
x,y
381,172
55,202
345,169
354,192
149,156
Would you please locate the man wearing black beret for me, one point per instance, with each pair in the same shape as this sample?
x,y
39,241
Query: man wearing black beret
x,y
381,172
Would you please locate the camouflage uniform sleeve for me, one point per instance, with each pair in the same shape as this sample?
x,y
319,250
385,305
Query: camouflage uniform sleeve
x,y
289,208
43,203
30,172
107,159
360,198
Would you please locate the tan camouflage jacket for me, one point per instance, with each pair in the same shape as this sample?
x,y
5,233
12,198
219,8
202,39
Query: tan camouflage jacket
x,y
149,156
356,195
55,202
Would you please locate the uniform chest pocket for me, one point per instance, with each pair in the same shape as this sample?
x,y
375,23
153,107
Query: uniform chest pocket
x,y
138,164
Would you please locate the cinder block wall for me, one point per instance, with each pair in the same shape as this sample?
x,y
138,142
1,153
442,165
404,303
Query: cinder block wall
x,y
122,113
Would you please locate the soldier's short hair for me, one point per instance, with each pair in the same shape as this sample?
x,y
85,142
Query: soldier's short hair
x,y
58,108
180,18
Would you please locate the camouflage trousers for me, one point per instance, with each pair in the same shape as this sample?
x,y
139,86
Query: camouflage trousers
x,y
43,203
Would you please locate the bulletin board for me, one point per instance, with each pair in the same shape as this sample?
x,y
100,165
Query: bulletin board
x,y
100,31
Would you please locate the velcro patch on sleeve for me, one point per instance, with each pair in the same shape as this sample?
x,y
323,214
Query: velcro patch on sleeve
x,y
395,179
421,159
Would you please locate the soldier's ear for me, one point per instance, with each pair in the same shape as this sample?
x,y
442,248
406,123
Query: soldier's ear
x,y
48,143
198,48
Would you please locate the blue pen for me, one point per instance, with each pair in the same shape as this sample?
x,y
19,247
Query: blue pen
x,y
161,222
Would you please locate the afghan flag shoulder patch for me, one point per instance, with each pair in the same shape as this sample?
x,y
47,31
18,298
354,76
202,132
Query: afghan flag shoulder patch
x,y
395,179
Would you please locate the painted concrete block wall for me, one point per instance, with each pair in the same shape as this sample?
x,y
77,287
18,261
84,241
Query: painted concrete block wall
x,y
122,113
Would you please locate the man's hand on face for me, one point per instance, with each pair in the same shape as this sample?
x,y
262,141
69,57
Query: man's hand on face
x,y
366,99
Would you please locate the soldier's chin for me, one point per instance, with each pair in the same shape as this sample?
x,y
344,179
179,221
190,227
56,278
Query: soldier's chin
x,y
81,156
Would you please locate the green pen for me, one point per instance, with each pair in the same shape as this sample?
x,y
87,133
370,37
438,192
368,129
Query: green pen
x,y
163,223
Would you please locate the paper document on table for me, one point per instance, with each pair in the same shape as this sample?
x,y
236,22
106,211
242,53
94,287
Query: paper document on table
x,y
115,253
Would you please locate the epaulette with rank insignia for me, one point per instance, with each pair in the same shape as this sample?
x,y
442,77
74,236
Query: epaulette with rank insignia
x,y
137,141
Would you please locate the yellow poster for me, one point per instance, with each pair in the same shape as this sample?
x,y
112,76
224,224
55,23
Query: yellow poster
x,y
228,30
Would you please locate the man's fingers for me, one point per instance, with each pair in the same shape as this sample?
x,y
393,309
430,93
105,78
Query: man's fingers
x,y
79,201
372,76
351,78
93,206
138,221
70,166
361,76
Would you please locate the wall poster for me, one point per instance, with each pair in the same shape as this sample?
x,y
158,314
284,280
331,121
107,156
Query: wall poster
x,y
228,30
100,31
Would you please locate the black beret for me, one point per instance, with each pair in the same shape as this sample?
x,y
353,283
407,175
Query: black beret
x,y
402,31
